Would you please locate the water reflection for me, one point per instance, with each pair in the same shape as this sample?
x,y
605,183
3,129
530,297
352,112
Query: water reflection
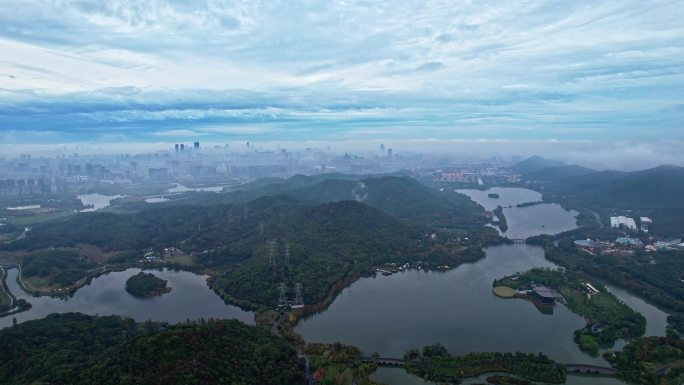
x,y
391,315
190,298
524,222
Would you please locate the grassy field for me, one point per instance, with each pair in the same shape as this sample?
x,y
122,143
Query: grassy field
x,y
34,219
38,283
504,291
184,260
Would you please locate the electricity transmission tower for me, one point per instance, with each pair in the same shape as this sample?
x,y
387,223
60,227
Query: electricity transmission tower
x,y
272,250
282,301
299,301
287,254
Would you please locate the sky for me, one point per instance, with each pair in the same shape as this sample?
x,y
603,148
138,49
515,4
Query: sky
x,y
348,71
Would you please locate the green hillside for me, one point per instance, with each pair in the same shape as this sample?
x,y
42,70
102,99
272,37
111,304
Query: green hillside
x,y
325,243
73,348
402,197
555,173
654,193
658,187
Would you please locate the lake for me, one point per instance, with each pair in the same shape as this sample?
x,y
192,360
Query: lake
x,y
412,309
390,315
190,298
98,201
179,188
524,222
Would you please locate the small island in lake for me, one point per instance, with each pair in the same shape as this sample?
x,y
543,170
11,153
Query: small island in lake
x,y
493,195
146,285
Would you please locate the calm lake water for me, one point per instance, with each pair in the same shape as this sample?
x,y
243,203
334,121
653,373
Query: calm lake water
x,y
390,315
179,188
524,222
190,298
508,196
98,201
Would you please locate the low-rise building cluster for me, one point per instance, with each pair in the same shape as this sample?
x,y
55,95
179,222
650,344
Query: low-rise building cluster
x,y
627,245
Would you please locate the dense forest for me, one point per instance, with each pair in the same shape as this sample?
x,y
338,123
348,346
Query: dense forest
x,y
654,193
333,364
57,348
302,230
162,226
55,268
651,360
73,348
319,246
434,363
146,285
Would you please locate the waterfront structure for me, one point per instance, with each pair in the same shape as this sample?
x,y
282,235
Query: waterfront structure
x,y
593,246
543,295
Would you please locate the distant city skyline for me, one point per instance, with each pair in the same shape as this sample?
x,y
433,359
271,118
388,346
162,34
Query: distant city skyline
x,y
107,73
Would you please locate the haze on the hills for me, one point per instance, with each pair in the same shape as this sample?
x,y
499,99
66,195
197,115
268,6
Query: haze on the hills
x,y
584,77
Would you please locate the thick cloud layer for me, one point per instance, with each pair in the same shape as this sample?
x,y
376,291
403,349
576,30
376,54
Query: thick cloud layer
x,y
321,70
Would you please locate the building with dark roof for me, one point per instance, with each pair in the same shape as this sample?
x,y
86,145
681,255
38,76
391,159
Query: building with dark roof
x,y
543,295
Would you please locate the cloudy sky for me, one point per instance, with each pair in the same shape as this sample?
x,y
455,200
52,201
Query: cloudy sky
x,y
152,71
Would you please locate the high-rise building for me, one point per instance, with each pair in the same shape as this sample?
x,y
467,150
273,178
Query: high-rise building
x,y
182,147
196,146
177,147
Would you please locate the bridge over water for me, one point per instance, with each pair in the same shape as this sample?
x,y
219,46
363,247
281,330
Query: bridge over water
x,y
571,368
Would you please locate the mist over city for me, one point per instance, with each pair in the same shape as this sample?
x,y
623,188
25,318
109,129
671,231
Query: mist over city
x,y
342,192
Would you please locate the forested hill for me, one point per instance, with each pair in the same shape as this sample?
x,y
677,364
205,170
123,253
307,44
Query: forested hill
x,y
533,164
655,193
556,173
73,348
400,196
324,242
659,187
195,226
316,246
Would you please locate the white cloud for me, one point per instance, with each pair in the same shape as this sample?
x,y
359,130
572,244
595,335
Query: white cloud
x,y
552,68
